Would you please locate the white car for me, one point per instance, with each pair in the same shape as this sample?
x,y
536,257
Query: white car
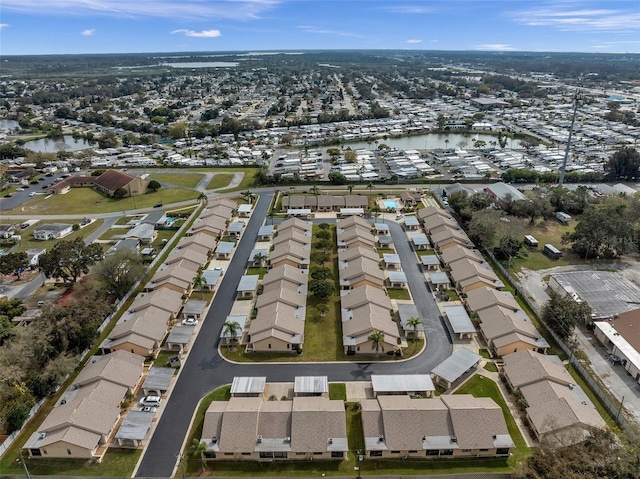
x,y
32,194
150,401
190,322
399,217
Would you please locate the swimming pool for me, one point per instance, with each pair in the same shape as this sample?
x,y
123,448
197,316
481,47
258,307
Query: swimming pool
x,y
170,220
390,204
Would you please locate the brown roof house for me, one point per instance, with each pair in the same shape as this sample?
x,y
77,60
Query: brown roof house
x,y
468,275
366,312
361,271
141,332
486,297
112,180
460,425
558,410
508,331
253,428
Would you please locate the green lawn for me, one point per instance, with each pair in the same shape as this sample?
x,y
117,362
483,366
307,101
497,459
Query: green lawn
x,y
338,391
220,180
28,241
549,231
88,201
248,180
479,386
116,463
398,293
187,180
491,367
259,271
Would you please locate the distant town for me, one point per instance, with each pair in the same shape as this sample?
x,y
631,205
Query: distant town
x,y
333,263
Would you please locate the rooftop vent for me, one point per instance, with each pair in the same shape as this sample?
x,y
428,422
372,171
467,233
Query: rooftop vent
x,y
43,435
570,386
259,439
454,439
380,438
287,439
214,439
495,436
330,441
424,438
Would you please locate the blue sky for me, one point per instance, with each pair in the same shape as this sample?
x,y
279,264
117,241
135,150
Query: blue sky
x,y
121,26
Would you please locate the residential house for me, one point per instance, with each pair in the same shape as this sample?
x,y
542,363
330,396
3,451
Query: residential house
x,y
468,275
253,428
112,180
359,272
486,297
140,332
164,299
290,253
507,331
50,231
397,427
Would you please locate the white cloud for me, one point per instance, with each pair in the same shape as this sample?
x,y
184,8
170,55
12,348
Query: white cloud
x,y
192,9
409,9
498,47
580,19
322,31
200,34
3,25
413,40
88,32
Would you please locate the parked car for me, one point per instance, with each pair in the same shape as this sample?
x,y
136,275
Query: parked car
x,y
190,322
40,304
158,205
152,401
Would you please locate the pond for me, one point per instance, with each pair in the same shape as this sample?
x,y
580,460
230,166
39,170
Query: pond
x,y
435,141
8,124
53,145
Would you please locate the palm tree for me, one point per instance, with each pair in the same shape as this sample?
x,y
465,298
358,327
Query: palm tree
x,y
446,142
199,282
259,258
248,195
377,341
231,330
197,450
414,322
315,190
350,188
203,198
370,187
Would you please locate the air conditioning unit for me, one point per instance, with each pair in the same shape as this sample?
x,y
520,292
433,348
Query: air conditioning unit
x,y
259,439
330,441
43,435
381,438
570,386
287,439
214,439
454,439
424,438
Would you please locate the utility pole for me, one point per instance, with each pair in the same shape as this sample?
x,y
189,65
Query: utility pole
x,y
24,464
566,151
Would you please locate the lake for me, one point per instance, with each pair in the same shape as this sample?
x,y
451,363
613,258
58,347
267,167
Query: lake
x,y
50,145
434,141
201,65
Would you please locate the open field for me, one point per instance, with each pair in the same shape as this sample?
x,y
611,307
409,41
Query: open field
x,y
187,180
551,232
88,201
248,180
220,180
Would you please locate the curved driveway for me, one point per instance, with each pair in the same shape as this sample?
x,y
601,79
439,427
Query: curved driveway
x,y
204,370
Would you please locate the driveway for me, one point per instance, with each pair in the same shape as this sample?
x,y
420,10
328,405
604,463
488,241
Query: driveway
x,y
204,370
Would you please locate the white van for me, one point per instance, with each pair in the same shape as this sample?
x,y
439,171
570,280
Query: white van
x,y
150,401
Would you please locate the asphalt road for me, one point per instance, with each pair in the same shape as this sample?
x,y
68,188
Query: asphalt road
x,y
205,371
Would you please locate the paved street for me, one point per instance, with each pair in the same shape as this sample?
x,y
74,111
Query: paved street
x,y
204,370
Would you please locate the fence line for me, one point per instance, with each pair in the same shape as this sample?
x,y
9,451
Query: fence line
x,y
612,409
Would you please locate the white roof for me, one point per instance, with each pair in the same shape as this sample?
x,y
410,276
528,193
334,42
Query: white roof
x,y
456,365
401,383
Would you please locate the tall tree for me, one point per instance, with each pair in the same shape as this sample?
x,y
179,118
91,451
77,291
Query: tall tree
x,y
197,450
67,260
13,263
413,322
377,341
120,271
199,282
231,329
624,164
562,314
